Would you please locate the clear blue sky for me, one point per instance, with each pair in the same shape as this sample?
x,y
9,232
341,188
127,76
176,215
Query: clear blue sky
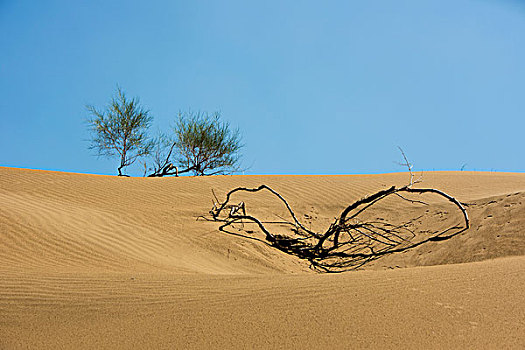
x,y
316,87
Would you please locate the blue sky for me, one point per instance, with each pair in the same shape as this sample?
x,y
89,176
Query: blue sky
x,y
315,87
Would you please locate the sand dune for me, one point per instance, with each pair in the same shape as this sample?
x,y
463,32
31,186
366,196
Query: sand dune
x,y
104,262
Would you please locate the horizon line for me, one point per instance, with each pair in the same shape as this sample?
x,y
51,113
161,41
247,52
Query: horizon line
x,y
272,174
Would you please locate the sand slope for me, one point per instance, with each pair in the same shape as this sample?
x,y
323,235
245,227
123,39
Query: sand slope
x,y
104,262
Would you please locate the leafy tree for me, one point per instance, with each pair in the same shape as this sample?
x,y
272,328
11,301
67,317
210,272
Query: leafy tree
x,y
202,144
120,130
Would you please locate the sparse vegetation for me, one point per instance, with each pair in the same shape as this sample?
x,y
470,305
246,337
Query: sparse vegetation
x,y
121,130
202,144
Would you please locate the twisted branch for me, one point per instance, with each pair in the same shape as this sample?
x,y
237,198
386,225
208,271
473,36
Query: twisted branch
x,y
347,243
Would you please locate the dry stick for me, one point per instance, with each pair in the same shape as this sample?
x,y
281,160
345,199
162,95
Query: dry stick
x,y
269,237
410,200
372,199
443,194
262,187
408,165
342,218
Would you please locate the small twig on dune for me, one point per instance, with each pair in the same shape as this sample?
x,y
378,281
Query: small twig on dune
x,y
408,165
411,200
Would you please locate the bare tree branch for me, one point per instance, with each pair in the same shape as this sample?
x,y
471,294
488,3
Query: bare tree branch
x,y
347,243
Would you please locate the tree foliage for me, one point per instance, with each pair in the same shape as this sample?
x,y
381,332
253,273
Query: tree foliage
x,y
201,143
206,144
120,130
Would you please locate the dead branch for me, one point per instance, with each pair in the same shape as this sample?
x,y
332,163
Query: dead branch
x,y
217,211
169,170
347,243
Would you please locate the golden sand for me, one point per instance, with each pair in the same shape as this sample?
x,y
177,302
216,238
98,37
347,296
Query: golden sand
x,y
100,262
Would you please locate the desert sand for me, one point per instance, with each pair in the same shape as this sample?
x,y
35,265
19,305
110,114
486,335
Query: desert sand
x,y
102,262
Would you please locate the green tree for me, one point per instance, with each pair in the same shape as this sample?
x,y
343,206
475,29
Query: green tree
x,y
120,130
202,144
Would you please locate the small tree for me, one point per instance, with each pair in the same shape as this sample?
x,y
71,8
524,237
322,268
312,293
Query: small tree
x,y
120,130
202,144
207,145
